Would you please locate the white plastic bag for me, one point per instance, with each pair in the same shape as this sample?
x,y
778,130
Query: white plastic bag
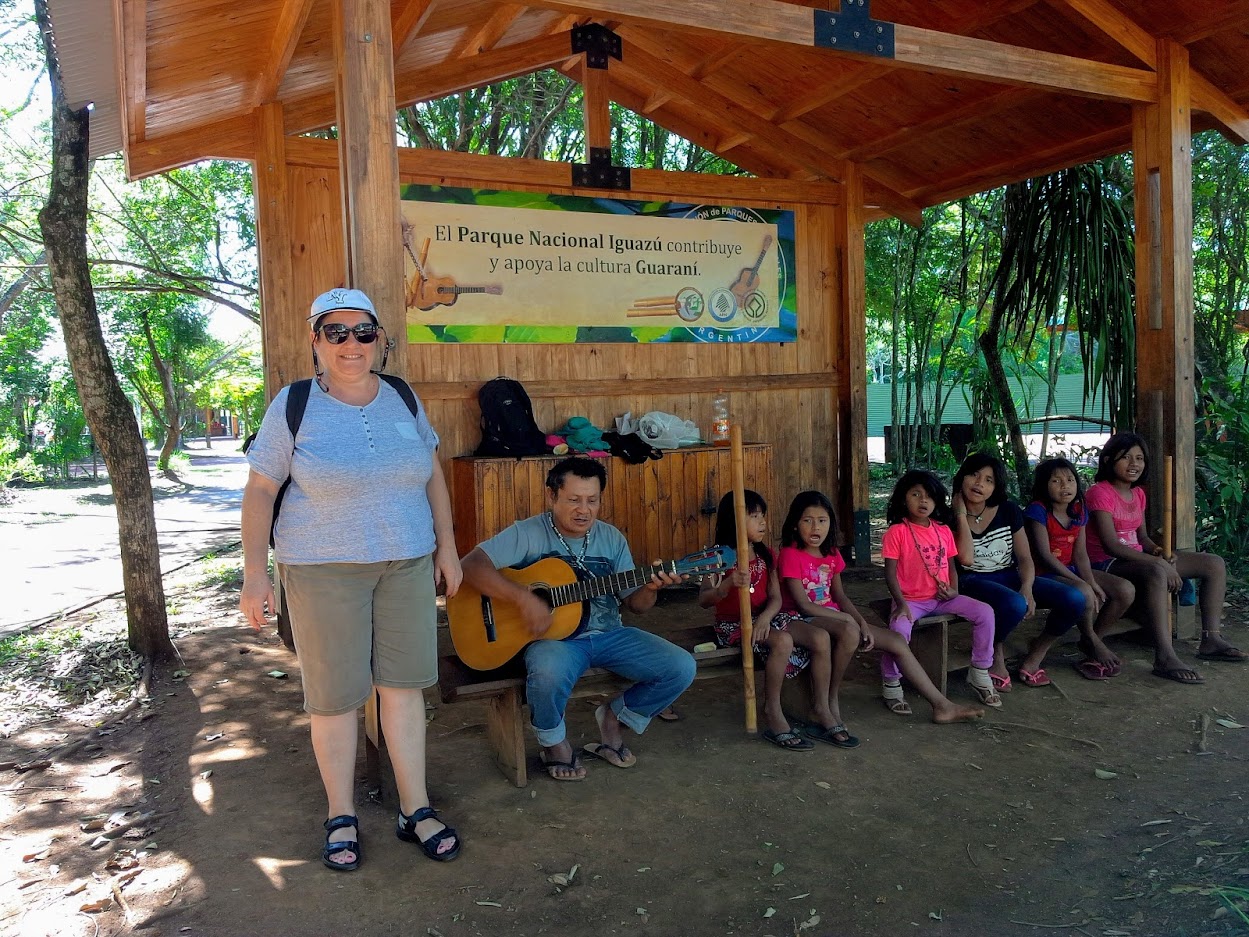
x,y
665,431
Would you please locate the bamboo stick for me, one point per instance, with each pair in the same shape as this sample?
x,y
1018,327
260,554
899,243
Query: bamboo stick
x,y
656,301
743,562
1168,532
423,257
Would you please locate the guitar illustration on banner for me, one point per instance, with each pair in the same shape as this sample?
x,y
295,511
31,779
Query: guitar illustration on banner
x,y
748,280
424,292
487,632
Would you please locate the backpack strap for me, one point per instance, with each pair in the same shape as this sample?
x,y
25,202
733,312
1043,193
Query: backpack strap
x,y
296,404
404,390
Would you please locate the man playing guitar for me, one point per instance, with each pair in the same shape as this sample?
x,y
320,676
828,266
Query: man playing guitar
x,y
570,530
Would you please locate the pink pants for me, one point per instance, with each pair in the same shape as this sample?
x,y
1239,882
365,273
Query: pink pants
x,y
978,613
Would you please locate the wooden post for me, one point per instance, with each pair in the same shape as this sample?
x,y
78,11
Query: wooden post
x,y
743,562
1162,160
1168,529
285,338
851,358
369,163
595,107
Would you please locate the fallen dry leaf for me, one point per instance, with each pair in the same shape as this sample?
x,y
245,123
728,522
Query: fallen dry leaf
x,y
95,907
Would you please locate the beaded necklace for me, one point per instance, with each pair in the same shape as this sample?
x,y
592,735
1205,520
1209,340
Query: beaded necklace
x,y
578,561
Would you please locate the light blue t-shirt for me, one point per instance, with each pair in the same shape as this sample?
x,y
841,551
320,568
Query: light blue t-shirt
x,y
534,539
358,477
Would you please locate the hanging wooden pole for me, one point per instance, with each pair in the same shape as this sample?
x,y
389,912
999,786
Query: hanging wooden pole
x,y
743,562
1168,530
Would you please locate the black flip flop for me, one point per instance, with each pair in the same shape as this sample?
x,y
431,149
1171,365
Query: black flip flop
x,y
598,750
1174,674
1225,655
572,765
791,741
821,734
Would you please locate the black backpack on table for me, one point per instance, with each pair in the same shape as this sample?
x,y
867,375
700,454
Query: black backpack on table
x,y
507,424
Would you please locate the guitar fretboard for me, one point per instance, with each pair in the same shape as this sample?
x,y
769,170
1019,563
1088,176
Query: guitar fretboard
x,y
463,289
585,589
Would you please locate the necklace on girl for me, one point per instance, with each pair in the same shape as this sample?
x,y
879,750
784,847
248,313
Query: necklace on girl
x,y
578,561
976,517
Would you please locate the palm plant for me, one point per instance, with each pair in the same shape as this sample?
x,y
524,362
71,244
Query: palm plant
x,y
1067,260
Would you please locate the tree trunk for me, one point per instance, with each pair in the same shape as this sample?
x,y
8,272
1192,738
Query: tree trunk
x,y
990,344
63,223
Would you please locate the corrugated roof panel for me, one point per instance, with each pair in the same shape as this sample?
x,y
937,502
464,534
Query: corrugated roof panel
x,y
83,36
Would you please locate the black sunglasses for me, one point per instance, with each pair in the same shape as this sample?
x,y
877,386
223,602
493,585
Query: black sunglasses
x,y
336,333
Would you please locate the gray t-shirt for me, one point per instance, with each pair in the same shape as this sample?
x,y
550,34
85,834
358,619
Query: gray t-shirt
x,y
358,476
534,539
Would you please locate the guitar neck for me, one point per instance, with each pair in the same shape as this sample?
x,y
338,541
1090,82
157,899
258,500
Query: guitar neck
x,y
584,589
462,289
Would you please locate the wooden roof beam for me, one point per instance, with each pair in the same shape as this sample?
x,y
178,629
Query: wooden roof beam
x,y
132,14
314,113
486,36
1232,119
1233,14
290,26
652,71
967,112
923,49
408,22
829,92
230,138
1030,165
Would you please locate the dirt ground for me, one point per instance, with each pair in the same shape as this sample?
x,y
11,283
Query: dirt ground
x,y
1005,827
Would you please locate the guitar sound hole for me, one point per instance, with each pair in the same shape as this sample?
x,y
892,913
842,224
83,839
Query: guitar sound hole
x,y
544,595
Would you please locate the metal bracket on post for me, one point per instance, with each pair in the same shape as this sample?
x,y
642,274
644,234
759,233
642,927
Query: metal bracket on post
x,y
599,173
862,538
597,42
852,29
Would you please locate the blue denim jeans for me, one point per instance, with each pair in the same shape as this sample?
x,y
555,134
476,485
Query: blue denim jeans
x,y
662,672
1001,590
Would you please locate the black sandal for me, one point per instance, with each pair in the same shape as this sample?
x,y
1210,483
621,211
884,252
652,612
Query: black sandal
x,y
406,831
347,845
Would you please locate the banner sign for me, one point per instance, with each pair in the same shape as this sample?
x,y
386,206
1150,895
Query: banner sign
x,y
491,266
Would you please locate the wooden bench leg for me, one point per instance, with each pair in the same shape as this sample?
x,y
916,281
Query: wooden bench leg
x,y
506,731
373,742
930,646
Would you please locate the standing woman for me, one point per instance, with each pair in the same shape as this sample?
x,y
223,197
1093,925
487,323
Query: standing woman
x,y
997,568
362,539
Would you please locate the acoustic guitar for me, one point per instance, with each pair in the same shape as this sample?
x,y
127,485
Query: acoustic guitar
x,y
487,632
748,280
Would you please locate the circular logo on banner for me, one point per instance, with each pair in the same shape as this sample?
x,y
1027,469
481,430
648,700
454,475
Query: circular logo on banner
x,y
722,303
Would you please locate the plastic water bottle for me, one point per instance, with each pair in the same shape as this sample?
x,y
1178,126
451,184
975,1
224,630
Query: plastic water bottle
x,y
720,419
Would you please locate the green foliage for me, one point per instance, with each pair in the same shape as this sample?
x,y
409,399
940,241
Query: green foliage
x,y
32,650
67,441
539,116
1222,492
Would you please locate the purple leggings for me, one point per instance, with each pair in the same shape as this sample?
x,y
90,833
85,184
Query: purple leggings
x,y
978,613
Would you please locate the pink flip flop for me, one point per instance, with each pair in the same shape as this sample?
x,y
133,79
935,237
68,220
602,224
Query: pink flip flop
x,y
1037,677
1092,670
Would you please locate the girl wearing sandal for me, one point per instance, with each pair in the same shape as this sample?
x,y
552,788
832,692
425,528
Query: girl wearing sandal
x,y
771,638
1056,521
996,567
1118,544
919,554
810,570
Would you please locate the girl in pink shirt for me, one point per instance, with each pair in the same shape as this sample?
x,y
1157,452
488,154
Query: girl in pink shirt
x,y
919,553
810,571
1118,543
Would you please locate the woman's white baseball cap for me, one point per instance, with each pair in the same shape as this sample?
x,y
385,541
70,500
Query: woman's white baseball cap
x,y
342,298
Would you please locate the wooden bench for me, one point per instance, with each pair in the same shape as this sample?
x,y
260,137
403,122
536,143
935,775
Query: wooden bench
x,y
503,690
930,641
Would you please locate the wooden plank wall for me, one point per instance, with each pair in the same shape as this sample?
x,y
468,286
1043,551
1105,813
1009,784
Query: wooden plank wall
x,y
788,395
